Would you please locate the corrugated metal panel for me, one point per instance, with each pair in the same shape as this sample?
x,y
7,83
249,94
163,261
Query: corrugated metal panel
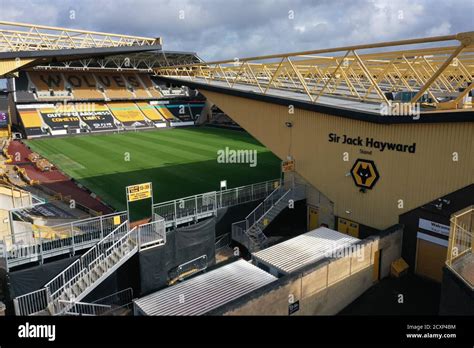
x,y
206,292
307,248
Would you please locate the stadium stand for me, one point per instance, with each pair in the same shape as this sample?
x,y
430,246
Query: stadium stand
x,y
99,118
23,92
152,114
150,86
83,85
128,113
61,121
48,84
114,85
180,110
135,84
32,122
167,115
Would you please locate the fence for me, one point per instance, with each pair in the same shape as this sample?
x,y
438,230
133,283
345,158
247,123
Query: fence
x,y
69,275
108,305
31,303
84,309
152,233
461,241
189,268
49,241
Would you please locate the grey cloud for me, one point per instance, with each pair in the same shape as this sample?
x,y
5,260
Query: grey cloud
x,y
219,29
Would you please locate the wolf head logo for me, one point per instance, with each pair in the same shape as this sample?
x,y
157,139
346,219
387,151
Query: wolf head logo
x,y
364,173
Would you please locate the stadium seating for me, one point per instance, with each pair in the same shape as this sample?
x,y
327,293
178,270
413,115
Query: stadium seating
x,y
152,114
127,113
98,119
61,121
150,86
83,85
32,122
167,115
46,81
135,83
114,85
48,84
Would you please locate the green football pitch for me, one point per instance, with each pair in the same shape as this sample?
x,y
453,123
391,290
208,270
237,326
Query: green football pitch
x,y
179,162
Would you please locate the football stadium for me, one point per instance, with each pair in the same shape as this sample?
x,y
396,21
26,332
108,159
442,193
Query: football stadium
x,y
141,181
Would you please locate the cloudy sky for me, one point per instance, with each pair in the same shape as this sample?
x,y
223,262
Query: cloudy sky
x,y
218,29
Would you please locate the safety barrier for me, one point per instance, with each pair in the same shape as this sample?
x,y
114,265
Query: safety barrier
x,y
25,247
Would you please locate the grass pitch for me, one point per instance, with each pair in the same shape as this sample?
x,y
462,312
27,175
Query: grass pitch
x,y
179,162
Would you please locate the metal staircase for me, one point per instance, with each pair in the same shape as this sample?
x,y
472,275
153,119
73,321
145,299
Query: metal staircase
x,y
86,273
23,247
249,232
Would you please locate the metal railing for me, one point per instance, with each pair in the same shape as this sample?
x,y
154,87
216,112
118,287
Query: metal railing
x,y
365,73
152,233
222,242
189,268
206,204
58,284
461,243
108,305
32,303
123,244
120,299
30,37
263,208
84,308
247,232
49,241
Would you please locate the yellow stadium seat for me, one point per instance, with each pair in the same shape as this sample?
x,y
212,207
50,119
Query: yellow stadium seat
x,y
149,86
114,85
30,119
150,111
126,112
163,110
45,81
138,87
84,86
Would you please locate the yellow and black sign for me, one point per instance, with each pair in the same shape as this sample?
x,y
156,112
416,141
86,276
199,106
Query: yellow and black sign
x,y
365,173
139,192
288,166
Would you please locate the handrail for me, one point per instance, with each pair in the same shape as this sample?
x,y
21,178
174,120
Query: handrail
x,y
81,234
433,76
79,265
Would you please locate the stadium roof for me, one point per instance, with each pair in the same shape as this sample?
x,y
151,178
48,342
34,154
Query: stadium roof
x,y
436,72
27,45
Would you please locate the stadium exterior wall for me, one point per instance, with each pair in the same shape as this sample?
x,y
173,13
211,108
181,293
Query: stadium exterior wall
x,y
424,170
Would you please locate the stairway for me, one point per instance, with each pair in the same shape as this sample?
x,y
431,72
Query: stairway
x,y
108,255
249,232
92,268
